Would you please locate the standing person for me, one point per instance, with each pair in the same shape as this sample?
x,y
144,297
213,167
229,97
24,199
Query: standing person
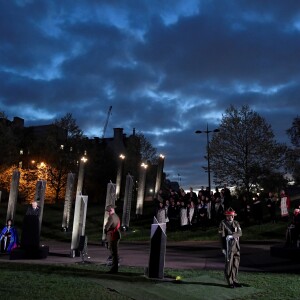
x,y
245,210
285,203
271,204
191,213
230,231
183,216
30,239
293,230
173,215
257,210
219,211
191,196
202,213
113,237
161,215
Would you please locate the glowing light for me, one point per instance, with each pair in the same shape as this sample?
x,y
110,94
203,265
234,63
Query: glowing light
x,y
84,159
143,165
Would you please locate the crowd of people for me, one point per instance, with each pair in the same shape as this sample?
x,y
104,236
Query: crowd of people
x,y
183,210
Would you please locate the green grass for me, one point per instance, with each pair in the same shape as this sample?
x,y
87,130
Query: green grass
x,y
89,281
139,228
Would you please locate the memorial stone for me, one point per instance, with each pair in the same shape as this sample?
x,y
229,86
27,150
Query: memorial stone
x,y
13,195
157,250
127,202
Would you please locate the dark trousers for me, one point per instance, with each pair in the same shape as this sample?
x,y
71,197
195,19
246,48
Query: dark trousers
x,y
113,248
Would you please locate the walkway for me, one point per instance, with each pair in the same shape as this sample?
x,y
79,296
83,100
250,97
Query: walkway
x,y
179,255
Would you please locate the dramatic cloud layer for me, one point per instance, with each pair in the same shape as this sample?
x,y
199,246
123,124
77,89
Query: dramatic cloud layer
x,y
167,67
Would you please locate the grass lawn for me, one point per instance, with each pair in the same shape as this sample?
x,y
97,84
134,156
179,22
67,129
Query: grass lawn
x,y
88,281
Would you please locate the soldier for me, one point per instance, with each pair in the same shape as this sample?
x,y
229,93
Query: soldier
x,y
113,236
230,231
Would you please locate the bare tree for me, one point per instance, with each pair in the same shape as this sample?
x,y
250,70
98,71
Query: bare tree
x,y
245,150
293,154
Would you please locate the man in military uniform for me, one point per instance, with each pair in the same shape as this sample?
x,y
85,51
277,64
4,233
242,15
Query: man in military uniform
x,y
230,232
113,236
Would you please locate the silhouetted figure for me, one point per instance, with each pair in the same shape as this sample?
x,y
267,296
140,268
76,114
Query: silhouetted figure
x,y
30,240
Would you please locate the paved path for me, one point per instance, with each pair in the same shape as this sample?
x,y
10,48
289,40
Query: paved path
x,y
179,255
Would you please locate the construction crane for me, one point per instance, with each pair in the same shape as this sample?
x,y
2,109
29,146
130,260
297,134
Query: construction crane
x,y
106,122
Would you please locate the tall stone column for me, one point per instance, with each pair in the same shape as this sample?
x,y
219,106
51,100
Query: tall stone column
x,y
160,168
39,197
127,202
13,195
119,175
110,200
68,201
83,160
80,210
79,222
141,190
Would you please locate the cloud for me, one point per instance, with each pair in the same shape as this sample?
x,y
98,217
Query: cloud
x,y
167,68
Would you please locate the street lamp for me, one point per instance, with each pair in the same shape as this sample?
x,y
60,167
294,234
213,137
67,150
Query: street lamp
x,y
83,160
119,175
141,190
159,173
179,179
207,149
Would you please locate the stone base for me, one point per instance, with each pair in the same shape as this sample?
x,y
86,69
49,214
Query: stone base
x,y
20,253
292,253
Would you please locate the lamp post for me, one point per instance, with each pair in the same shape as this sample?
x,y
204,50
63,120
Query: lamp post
x,y
119,175
160,167
141,190
207,149
83,160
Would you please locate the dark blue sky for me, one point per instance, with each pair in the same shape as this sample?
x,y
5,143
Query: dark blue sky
x,y
167,68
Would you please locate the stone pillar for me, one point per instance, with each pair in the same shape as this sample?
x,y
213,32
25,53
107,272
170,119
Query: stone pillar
x,y
110,200
80,176
127,201
119,175
157,250
160,168
13,195
68,201
39,197
141,190
78,222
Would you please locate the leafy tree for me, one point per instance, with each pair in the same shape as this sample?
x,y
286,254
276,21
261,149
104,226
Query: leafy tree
x,y
244,152
293,154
